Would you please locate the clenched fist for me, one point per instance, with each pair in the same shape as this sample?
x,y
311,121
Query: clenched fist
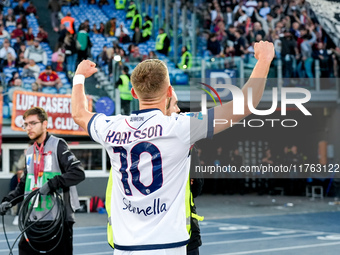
x,y
86,68
264,51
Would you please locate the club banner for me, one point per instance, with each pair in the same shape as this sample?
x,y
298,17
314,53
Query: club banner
x,y
57,107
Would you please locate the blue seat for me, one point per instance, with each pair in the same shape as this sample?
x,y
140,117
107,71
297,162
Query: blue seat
x,y
27,86
181,79
63,90
49,90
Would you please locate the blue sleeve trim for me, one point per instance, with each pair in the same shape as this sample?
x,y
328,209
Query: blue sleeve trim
x,y
210,123
150,246
89,126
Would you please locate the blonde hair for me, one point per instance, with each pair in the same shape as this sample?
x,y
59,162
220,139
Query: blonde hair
x,y
149,77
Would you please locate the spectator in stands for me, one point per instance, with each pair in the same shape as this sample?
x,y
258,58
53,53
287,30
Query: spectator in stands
x,y
268,23
7,49
131,48
305,65
213,46
289,53
228,55
62,33
9,62
186,59
36,52
23,21
42,35
162,42
137,36
21,61
5,3
152,55
18,32
136,21
31,9
3,32
70,52
17,44
49,78
29,36
59,64
229,17
55,7
11,22
35,87
101,28
265,10
15,75
9,13
147,28
91,1
123,84
17,86
123,55
240,44
122,33
135,56
94,29
68,22
103,58
21,49
31,69
83,39
336,61
321,54
19,9
102,2
110,27
86,26
131,10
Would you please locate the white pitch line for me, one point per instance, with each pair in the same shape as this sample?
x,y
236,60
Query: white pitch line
x,y
231,232
262,238
281,249
96,253
89,243
284,229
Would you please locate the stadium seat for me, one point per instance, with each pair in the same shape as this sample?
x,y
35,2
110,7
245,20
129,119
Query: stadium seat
x,y
50,90
181,79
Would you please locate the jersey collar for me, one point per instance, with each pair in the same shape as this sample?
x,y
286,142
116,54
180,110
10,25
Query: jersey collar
x,y
145,110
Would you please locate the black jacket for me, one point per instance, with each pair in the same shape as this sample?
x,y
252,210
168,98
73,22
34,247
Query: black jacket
x,y
71,168
196,189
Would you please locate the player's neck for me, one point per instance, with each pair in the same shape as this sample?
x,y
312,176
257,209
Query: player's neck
x,y
152,105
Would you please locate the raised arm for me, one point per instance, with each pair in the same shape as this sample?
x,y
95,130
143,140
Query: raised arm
x,y
80,113
264,53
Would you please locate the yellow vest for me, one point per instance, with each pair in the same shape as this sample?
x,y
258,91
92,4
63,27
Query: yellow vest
x,y
160,41
184,65
124,89
138,16
120,4
147,31
131,11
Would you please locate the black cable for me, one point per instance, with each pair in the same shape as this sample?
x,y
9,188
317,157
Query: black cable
x,y
3,225
36,233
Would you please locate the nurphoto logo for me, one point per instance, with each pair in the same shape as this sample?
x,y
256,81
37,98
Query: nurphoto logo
x,y
239,104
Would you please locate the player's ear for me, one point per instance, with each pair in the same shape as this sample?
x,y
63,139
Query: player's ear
x,y
169,91
133,93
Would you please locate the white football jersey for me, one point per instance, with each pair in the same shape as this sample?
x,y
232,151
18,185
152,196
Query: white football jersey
x,y
149,154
